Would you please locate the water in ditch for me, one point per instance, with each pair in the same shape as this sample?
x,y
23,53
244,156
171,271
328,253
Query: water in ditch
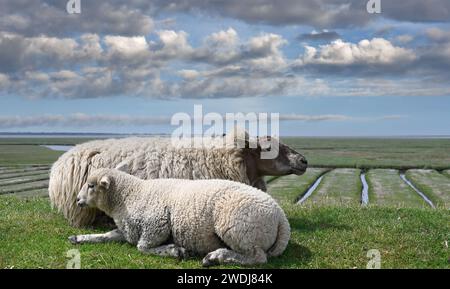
x,y
310,190
403,177
62,148
365,190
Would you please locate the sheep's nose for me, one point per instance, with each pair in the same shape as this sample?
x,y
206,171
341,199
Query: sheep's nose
x,y
304,161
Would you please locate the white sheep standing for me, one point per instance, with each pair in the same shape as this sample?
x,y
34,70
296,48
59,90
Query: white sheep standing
x,y
227,221
151,158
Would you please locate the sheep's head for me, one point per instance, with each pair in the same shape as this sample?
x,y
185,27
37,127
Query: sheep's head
x,y
286,161
94,192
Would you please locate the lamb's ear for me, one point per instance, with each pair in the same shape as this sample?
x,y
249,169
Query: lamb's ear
x,y
123,167
105,182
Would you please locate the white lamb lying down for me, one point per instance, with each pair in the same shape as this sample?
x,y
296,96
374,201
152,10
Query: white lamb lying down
x,y
227,221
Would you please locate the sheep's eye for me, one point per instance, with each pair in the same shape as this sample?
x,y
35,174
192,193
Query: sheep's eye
x,y
90,186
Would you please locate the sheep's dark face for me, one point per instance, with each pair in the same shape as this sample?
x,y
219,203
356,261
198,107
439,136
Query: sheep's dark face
x,y
93,192
288,161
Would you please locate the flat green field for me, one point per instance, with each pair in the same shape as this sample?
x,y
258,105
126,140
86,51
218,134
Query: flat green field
x,y
388,189
338,187
291,188
374,152
320,152
12,155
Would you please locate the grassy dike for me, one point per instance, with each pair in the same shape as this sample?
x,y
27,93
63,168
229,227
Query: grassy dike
x,y
32,235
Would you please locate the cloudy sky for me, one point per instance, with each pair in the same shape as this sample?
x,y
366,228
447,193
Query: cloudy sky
x,y
328,67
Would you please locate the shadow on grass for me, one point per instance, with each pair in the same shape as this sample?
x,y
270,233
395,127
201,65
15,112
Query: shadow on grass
x,y
295,256
305,225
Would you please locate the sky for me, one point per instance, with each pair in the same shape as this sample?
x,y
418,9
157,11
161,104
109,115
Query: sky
x,y
328,68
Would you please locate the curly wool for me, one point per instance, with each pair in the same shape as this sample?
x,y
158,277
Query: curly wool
x,y
198,215
147,158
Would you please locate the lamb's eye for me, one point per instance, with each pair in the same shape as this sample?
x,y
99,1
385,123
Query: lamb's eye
x,y
90,186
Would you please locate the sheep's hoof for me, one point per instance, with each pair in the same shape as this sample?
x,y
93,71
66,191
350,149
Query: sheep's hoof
x,y
210,260
73,240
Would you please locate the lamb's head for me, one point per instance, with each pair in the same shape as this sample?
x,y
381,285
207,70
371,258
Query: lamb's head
x,y
286,161
94,192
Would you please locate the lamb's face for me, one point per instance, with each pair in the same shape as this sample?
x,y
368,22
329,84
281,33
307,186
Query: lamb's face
x,y
93,192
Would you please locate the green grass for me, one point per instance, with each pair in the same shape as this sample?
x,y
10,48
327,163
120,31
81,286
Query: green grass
x,y
35,185
374,152
13,155
433,184
386,188
290,188
338,187
34,236
23,179
22,169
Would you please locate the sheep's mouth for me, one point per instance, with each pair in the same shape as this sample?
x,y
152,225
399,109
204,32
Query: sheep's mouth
x,y
298,171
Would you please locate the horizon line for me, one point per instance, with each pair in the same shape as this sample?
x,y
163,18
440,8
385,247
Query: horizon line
x,y
166,134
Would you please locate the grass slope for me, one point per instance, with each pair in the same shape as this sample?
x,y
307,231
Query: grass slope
x,y
386,188
34,236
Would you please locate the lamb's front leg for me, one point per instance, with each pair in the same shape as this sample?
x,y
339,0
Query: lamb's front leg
x,y
154,236
112,236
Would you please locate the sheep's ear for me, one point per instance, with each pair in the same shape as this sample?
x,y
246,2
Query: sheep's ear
x,y
265,142
105,182
123,167
237,136
269,147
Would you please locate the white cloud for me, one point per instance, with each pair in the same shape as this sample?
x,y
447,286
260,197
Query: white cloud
x,y
126,45
174,44
377,51
227,37
189,74
266,52
223,65
220,47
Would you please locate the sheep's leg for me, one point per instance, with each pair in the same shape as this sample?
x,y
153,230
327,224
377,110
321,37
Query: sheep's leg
x,y
112,236
226,256
170,250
